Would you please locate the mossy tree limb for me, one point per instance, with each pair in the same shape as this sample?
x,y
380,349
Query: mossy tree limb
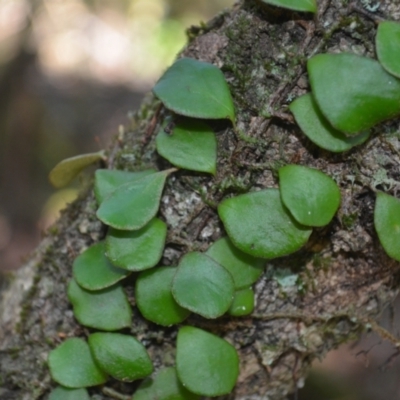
x,y
344,277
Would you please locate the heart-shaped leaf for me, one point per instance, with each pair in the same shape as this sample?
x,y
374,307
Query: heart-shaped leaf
x,y
191,145
106,309
243,303
195,89
133,205
206,364
165,386
72,365
62,393
107,180
93,271
354,93
121,356
260,225
317,128
244,268
388,46
203,286
137,250
297,5
311,196
387,223
66,170
154,298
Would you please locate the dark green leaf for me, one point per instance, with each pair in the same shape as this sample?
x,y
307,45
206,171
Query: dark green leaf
x,y
203,286
388,46
195,89
191,145
66,170
137,250
259,224
72,365
107,180
206,364
243,303
297,5
93,271
165,386
154,298
106,309
317,128
133,205
62,393
121,356
244,268
311,196
387,223
354,93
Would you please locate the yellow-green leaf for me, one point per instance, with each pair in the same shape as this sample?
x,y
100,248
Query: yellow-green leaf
x,y
66,170
388,46
387,223
297,5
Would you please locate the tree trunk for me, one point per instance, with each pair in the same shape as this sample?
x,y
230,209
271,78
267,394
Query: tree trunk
x,y
342,279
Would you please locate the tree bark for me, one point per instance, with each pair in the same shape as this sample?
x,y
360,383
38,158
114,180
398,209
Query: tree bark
x,y
340,281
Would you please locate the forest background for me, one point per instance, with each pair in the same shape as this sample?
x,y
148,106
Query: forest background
x,y
71,71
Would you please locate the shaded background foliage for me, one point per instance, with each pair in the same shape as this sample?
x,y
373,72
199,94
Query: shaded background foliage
x,y
70,72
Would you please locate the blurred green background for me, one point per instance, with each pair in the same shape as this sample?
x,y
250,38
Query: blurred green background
x,y
70,71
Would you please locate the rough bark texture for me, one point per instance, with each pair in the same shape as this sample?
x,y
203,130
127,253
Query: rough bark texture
x,y
344,278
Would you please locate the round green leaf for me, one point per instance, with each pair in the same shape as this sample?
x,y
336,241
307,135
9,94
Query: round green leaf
x,y
297,5
106,181
191,145
317,128
388,46
311,196
202,285
206,364
387,223
154,298
93,271
195,89
133,205
165,386
243,303
66,170
259,224
244,268
354,93
62,393
72,365
137,250
121,356
106,309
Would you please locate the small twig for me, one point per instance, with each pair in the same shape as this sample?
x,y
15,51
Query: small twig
x,y
202,225
284,117
116,147
173,239
302,316
383,333
389,360
114,394
152,126
323,6
193,215
360,10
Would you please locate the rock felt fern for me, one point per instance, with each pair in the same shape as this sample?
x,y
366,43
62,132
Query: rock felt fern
x,y
262,225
